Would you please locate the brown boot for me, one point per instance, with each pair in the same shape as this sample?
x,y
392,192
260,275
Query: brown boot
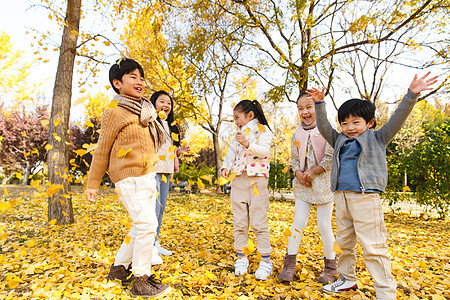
x,y
330,273
288,271
119,272
149,287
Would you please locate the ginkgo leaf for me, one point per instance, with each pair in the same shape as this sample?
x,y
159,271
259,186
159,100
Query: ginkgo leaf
x,y
172,156
175,136
5,191
252,183
162,115
297,143
336,248
207,177
286,169
162,157
231,176
113,104
80,152
250,248
44,123
287,232
19,175
79,101
89,124
261,127
57,122
127,239
255,191
123,153
171,149
222,180
164,178
48,147
91,147
173,123
55,135
246,131
200,184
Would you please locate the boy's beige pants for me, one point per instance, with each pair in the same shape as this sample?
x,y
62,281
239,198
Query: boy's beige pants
x,y
249,208
361,215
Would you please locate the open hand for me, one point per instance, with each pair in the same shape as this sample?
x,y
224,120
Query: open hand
x,y
422,83
183,149
316,94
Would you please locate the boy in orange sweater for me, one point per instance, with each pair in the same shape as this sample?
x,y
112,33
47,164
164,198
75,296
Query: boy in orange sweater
x,y
128,140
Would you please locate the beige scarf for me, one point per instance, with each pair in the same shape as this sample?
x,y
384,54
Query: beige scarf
x,y
147,115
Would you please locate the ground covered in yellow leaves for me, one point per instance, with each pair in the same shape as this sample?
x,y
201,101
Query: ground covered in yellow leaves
x,y
42,261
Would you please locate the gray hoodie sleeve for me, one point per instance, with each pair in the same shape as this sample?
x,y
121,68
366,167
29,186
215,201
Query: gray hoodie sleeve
x,y
398,118
326,130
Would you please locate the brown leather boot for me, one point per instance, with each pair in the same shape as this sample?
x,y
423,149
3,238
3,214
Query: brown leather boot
x,y
330,273
121,273
288,271
149,287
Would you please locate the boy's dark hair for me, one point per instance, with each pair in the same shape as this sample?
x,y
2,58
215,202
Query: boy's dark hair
x,y
246,106
170,119
121,67
357,108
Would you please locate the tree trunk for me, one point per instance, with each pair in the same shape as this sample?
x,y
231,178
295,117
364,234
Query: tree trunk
x,y
26,173
217,156
60,202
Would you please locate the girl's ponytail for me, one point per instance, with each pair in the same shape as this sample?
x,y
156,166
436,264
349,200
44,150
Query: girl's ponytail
x,y
247,106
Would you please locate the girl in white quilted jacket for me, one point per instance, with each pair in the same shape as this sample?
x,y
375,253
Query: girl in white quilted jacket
x,y
248,158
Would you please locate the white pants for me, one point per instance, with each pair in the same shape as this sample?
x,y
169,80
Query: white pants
x,y
138,196
324,212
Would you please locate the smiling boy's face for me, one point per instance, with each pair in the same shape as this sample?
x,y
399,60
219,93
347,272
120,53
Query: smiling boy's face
x,y
354,126
132,84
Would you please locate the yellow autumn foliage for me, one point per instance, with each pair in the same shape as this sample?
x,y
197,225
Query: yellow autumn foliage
x,y
40,260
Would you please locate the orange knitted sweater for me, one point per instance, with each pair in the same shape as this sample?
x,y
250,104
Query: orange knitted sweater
x,y
125,148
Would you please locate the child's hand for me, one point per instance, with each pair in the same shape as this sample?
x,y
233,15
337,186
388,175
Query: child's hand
x,y
316,94
301,180
422,84
183,149
91,194
225,173
309,175
240,137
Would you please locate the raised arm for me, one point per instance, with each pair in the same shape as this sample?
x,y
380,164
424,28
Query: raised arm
x,y
324,126
398,118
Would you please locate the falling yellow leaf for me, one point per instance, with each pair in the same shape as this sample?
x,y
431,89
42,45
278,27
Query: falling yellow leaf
x,y
231,176
297,143
207,177
5,191
162,157
200,184
127,239
287,232
89,124
252,183
113,104
222,180
246,131
162,115
91,147
55,135
79,101
80,152
164,178
336,248
122,152
261,127
175,136
286,169
48,147
19,176
250,248
172,156
171,149
44,123
255,191
173,123
57,122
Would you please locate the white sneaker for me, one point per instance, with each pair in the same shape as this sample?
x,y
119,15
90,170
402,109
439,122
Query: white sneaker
x,y
241,266
340,285
162,250
264,270
156,259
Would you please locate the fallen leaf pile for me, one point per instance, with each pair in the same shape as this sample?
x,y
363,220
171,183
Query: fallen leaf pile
x,y
44,261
